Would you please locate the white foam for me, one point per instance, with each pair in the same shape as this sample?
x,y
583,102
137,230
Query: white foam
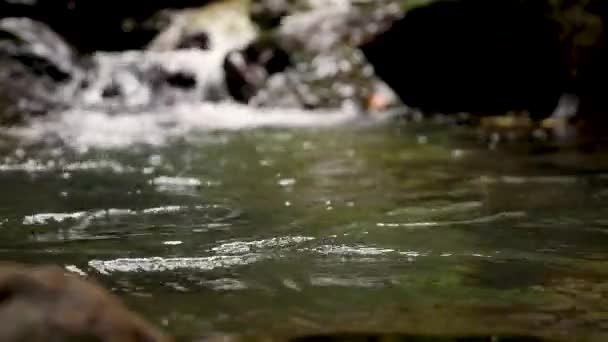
x,y
351,251
240,247
76,270
158,264
164,210
173,243
52,217
176,181
45,218
84,129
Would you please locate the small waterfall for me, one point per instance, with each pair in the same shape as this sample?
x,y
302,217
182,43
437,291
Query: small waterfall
x,y
179,83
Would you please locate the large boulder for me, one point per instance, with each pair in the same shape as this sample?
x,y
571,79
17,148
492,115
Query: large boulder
x,y
36,69
46,304
472,56
493,57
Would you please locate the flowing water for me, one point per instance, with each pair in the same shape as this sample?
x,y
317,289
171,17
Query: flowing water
x,y
310,230
213,218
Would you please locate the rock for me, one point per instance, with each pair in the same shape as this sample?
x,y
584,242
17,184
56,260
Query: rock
x,y
46,304
36,69
180,66
181,79
325,69
472,56
197,40
482,58
220,26
37,47
268,13
323,25
247,70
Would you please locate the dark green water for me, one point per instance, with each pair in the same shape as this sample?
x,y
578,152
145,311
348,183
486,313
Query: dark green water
x,y
291,232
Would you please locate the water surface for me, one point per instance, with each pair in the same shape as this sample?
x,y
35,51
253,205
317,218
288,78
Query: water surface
x,y
286,232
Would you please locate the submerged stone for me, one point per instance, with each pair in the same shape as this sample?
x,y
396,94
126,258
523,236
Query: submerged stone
x,y
45,304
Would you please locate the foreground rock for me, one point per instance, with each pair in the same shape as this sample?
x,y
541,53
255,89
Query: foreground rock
x,y
45,304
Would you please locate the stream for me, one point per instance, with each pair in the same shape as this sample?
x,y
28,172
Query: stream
x,y
214,218
307,230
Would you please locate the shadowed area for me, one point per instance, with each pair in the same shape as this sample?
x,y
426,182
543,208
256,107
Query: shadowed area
x,y
473,56
97,25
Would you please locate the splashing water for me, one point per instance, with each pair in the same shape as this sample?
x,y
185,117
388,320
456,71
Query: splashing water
x,y
152,97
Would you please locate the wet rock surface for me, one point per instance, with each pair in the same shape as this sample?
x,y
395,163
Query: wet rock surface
x,y
472,56
468,56
327,69
46,304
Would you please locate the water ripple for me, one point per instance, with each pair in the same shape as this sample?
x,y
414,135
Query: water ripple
x,y
38,219
518,180
159,264
225,284
436,210
164,210
46,218
348,250
241,247
35,166
428,224
332,281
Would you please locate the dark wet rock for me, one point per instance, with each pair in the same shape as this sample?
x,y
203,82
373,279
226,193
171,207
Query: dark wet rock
x,y
43,67
46,304
112,90
315,63
247,70
36,69
339,79
268,13
36,46
181,79
444,56
197,40
473,56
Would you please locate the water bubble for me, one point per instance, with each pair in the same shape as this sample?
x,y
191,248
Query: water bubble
x,y
155,160
172,243
287,182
